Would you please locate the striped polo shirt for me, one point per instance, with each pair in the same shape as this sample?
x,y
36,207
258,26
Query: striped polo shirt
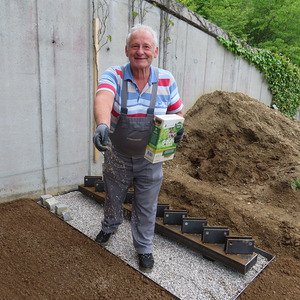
x,y
167,100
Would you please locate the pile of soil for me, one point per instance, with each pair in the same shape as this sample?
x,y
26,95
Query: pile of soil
x,y
235,167
42,257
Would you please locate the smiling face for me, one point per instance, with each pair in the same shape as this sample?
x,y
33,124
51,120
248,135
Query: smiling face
x,y
141,50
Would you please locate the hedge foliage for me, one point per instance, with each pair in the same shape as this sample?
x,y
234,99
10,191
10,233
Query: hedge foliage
x,y
282,76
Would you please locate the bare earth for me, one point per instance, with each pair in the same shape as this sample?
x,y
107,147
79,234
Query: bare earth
x,y
234,166
42,257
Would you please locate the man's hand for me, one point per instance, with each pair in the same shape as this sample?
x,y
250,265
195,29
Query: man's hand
x,y
101,137
178,138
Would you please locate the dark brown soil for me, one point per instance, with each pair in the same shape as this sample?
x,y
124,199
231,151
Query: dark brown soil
x,y
42,257
235,166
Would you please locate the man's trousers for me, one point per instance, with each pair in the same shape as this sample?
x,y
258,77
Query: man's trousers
x,y
119,172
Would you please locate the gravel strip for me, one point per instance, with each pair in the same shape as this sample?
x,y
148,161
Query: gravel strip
x,y
181,271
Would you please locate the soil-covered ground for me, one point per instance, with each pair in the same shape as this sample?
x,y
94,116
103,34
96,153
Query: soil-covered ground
x,y
235,167
42,257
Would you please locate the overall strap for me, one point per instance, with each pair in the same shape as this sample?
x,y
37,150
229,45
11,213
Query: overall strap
x,y
124,94
150,110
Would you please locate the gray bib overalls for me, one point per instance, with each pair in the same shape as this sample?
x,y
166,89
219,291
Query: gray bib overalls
x,y
126,164
132,133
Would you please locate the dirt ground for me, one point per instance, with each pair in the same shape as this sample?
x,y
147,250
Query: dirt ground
x,y
42,257
235,167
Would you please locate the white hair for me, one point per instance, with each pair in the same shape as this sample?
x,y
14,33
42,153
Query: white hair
x,y
138,27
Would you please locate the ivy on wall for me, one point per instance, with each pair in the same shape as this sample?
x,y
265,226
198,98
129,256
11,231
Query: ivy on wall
x,y
282,76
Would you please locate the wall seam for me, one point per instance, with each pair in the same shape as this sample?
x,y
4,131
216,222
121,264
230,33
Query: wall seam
x,y
40,100
185,63
204,81
223,70
55,106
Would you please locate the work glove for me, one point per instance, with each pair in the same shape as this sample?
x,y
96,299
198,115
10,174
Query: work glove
x,y
179,136
101,137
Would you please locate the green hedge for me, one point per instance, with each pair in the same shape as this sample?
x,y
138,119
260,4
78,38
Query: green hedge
x,y
282,76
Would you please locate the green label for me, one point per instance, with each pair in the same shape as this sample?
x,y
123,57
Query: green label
x,y
161,138
169,151
178,126
154,135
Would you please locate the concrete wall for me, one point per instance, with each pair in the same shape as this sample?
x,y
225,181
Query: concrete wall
x,y
46,80
46,93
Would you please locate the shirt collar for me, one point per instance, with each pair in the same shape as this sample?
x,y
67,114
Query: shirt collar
x,y
128,75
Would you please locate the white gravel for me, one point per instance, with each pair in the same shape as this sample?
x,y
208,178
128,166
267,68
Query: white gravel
x,y
181,271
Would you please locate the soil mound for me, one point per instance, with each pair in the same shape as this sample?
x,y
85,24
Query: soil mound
x,y
234,139
235,167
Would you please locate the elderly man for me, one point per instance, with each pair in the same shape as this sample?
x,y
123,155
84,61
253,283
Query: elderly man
x,y
126,100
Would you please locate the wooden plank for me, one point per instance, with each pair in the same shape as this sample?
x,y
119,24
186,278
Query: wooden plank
x,y
90,192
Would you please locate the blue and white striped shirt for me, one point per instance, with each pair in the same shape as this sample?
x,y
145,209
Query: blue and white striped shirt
x,y
167,100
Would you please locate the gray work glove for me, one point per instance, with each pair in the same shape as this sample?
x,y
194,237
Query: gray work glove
x,y
178,138
101,137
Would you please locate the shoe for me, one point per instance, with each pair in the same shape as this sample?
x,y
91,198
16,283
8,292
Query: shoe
x,y
146,262
103,238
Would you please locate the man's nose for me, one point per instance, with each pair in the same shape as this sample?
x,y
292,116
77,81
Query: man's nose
x,y
140,49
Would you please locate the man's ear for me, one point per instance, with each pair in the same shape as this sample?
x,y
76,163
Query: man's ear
x,y
156,52
126,51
